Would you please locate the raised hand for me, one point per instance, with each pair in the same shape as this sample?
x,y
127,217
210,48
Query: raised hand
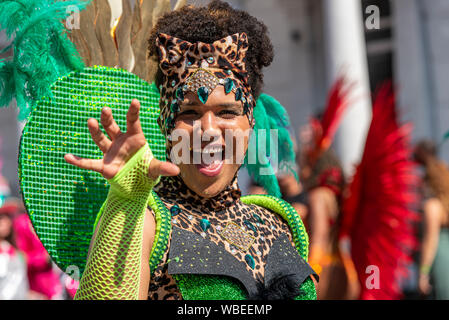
x,y
120,146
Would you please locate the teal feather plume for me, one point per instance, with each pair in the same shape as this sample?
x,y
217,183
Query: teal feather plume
x,y
42,51
269,114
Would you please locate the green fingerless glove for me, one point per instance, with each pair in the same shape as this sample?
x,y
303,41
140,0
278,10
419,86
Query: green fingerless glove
x,y
114,264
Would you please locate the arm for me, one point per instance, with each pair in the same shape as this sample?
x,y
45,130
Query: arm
x,y
433,210
117,266
118,262
322,207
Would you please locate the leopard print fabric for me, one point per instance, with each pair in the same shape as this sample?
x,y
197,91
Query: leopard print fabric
x,y
180,59
219,210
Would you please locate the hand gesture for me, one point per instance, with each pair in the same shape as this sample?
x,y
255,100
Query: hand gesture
x,y
120,146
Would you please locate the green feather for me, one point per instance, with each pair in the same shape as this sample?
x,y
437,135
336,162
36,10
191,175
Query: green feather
x,y
445,137
270,114
41,50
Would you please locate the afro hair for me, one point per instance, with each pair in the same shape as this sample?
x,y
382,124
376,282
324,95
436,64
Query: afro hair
x,y
211,23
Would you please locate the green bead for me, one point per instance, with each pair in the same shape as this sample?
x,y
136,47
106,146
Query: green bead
x,y
250,261
205,224
258,218
175,210
238,94
229,85
203,94
179,94
250,225
174,107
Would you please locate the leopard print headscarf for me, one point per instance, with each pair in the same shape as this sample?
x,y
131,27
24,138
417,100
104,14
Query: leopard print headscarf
x,y
199,67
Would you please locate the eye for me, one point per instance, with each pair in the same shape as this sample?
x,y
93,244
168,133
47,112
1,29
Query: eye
x,y
229,114
187,114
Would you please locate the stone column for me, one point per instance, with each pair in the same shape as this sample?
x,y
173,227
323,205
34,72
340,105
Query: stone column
x,y
345,51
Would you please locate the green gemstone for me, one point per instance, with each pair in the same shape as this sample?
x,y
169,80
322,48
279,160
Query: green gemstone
x,y
205,224
258,218
250,225
174,107
250,261
229,85
180,94
175,210
238,94
245,108
203,94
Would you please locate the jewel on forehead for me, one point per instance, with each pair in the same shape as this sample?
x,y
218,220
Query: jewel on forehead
x,y
180,94
238,94
229,85
210,60
174,107
203,94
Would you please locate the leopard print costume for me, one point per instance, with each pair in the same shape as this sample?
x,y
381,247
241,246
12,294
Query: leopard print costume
x,y
261,223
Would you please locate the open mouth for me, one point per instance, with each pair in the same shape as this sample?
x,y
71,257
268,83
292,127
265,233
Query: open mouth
x,y
212,160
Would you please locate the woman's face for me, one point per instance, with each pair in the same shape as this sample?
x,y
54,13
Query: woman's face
x,y
5,226
210,141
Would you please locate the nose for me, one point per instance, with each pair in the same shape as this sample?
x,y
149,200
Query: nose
x,y
210,129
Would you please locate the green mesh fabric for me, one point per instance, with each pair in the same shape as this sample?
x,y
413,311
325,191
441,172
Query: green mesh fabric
x,y
63,200
114,264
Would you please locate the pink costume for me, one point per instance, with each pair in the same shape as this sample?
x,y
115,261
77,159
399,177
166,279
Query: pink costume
x,y
42,277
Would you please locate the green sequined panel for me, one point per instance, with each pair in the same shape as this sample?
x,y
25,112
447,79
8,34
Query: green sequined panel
x,y
63,200
208,287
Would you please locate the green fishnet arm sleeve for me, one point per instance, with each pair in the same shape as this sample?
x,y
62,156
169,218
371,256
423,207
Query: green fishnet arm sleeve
x,y
114,264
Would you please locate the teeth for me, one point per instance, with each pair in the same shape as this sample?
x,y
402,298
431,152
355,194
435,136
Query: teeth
x,y
213,149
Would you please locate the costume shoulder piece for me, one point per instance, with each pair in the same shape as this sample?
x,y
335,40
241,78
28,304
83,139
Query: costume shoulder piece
x,y
217,281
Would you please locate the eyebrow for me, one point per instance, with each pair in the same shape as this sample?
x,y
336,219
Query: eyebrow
x,y
223,104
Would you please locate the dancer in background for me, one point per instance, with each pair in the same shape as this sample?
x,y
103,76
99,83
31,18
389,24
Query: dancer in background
x,y
323,181
377,236
434,259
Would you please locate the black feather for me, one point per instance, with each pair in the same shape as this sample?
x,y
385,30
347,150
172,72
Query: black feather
x,y
281,287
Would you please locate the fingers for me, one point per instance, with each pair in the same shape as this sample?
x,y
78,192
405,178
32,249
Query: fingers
x,y
162,168
109,124
132,118
88,164
98,136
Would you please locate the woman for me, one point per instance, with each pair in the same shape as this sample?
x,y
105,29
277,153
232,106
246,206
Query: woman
x,y
202,240
435,242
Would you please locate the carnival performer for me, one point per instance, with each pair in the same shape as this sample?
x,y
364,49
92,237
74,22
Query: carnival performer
x,y
435,241
202,239
324,182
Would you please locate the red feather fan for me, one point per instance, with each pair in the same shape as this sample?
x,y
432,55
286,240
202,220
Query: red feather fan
x,y
378,212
